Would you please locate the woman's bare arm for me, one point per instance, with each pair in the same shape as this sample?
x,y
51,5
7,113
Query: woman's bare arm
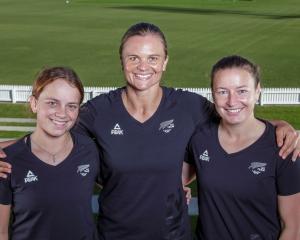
x,y
289,210
4,221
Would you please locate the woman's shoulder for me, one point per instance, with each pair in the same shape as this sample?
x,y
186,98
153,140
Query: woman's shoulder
x,y
206,129
83,139
108,97
269,135
86,148
187,99
16,148
101,103
192,104
183,94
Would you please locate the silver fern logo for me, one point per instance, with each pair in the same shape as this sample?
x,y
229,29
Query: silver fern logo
x,y
167,126
257,167
83,170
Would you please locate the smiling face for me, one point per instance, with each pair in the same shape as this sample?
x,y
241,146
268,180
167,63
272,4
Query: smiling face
x,y
57,107
144,60
235,95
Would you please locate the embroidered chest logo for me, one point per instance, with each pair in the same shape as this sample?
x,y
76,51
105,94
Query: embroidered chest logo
x,y
83,170
30,177
117,130
167,126
257,167
204,156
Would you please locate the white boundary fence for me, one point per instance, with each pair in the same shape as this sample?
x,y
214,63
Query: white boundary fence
x,y
21,93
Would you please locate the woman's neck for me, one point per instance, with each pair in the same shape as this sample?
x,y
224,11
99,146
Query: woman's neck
x,y
48,141
235,137
141,105
51,149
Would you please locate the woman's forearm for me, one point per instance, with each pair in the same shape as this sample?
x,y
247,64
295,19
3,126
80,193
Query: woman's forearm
x,y
4,221
7,143
289,211
4,235
188,174
290,233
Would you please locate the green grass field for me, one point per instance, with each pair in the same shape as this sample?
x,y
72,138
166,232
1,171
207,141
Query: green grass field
x,y
85,35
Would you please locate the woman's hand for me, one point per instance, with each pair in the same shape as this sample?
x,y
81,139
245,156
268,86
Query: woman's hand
x,y
188,194
296,153
5,167
287,139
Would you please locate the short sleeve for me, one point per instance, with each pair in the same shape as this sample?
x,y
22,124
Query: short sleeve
x,y
86,118
199,107
208,111
288,177
5,191
189,156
